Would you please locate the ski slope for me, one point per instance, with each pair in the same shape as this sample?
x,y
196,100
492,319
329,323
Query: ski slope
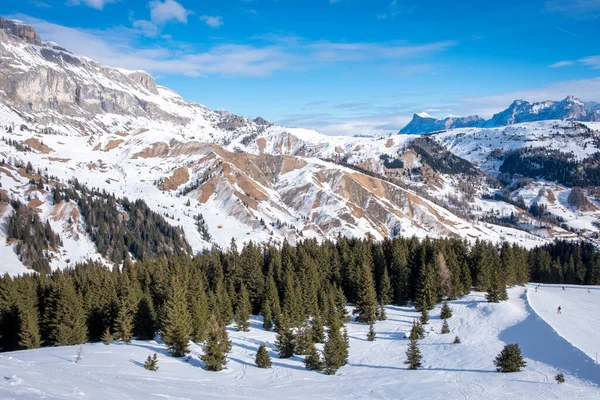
x,y
580,318
375,370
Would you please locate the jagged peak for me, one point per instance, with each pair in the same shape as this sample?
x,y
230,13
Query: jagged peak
x,y
20,29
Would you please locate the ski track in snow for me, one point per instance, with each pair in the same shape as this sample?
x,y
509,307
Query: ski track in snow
x,y
375,370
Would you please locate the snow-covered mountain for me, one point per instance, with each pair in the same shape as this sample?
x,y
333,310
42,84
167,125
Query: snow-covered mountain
x,y
121,133
569,109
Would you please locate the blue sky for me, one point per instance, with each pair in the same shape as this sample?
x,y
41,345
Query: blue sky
x,y
339,66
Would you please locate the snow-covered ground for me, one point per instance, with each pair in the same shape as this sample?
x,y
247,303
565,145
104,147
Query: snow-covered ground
x,y
375,369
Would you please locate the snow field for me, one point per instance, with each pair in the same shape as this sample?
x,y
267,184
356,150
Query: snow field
x,y
375,370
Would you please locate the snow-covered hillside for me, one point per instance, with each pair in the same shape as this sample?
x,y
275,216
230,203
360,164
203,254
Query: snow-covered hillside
x,y
375,370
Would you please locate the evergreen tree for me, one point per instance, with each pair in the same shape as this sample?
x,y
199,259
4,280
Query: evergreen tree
x,y
124,323
385,291
366,304
413,355
318,331
303,340
371,333
65,315
284,341
107,337
446,311
335,350
445,327
267,317
510,359
560,378
426,296
177,325
417,331
145,319
29,333
263,359
216,346
151,363
497,288
381,315
242,310
424,316
313,361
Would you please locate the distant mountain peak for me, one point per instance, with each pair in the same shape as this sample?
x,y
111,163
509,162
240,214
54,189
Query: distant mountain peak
x,y
570,108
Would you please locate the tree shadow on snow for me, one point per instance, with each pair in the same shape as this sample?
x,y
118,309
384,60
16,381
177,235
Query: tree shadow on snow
x,y
540,342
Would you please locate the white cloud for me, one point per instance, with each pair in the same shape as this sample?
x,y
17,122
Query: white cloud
x,y
146,28
593,61
97,4
561,64
575,8
162,12
395,8
212,21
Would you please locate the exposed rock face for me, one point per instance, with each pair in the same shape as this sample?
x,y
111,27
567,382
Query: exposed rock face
x,y
144,79
21,30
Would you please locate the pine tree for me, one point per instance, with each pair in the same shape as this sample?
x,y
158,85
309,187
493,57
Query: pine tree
x,y
303,340
313,360
417,331
151,363
263,359
107,337
381,314
29,332
560,378
267,317
424,316
177,325
446,311
413,355
145,319
371,333
216,346
445,327
242,311
385,291
284,341
65,315
497,288
124,323
318,331
366,305
510,359
335,350
427,295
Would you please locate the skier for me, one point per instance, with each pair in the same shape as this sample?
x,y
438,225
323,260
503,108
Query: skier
x,y
559,310
563,288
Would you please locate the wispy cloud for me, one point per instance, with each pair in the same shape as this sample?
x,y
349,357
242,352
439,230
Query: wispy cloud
x,y
561,64
395,8
97,4
566,31
593,61
212,21
575,8
261,56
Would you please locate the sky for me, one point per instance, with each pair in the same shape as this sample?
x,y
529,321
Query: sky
x,y
342,67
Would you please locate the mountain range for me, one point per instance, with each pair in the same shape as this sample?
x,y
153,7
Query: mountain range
x,y
94,151
568,109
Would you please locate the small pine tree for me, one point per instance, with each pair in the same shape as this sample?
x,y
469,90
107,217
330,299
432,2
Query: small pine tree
x,y
366,304
124,323
107,337
267,317
284,341
371,334
216,347
445,327
335,350
381,315
560,378
263,359
413,355
510,359
424,316
318,331
446,311
456,340
242,310
303,340
417,331
313,360
151,363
